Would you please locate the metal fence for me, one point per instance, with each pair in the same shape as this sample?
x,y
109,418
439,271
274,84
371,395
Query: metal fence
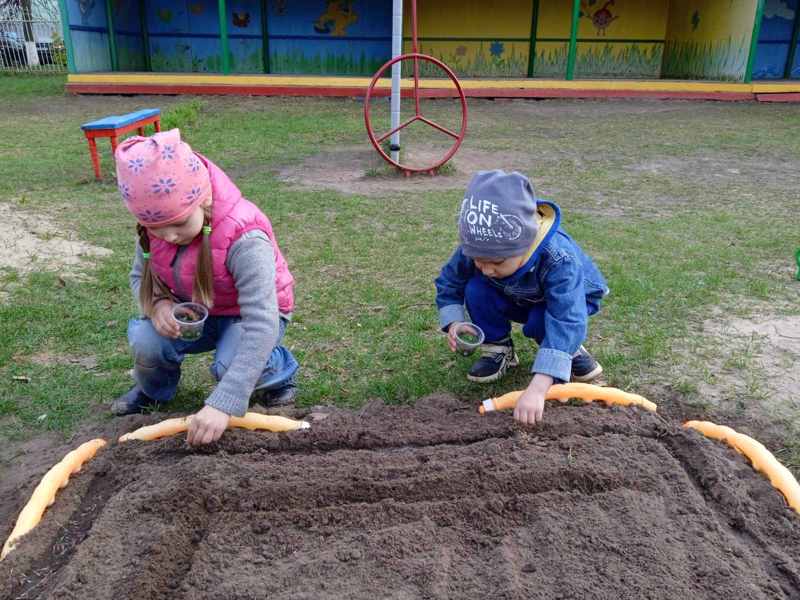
x,y
32,46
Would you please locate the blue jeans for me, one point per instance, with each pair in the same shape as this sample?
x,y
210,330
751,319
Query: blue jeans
x,y
157,359
493,311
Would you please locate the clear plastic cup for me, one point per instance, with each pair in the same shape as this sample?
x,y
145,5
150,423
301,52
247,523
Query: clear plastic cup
x,y
469,337
191,318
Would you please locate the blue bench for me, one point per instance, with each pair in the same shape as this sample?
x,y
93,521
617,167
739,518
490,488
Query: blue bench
x,y
115,125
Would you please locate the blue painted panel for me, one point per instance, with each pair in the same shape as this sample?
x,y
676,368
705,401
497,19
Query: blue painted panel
x,y
247,55
774,38
244,17
184,35
87,13
795,74
126,16
91,51
770,61
130,53
203,16
167,16
329,36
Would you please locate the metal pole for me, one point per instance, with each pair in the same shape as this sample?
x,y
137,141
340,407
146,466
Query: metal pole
x,y
112,38
573,39
415,49
397,50
748,74
67,36
223,36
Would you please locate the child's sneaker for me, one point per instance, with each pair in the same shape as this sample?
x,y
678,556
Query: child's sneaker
x,y
495,359
132,402
584,367
273,398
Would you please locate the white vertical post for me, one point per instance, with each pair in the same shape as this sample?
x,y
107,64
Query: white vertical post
x,y
397,50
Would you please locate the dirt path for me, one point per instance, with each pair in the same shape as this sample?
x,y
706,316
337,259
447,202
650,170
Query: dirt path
x,y
425,502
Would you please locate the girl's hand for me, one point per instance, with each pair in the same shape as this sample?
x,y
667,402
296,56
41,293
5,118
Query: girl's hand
x,y
206,426
163,321
451,335
530,406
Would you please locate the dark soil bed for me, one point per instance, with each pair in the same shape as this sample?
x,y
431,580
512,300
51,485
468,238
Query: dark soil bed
x,y
432,501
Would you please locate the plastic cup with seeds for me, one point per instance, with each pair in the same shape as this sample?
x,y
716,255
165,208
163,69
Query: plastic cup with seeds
x,y
191,318
469,337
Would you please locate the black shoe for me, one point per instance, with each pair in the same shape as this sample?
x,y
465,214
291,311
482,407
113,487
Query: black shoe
x,y
584,367
272,398
133,401
496,358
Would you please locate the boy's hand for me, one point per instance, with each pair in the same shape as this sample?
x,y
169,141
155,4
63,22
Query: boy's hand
x,y
530,406
206,426
163,321
451,335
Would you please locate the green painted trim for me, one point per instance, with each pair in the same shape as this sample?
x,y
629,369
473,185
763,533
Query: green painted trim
x,y
145,35
787,70
573,39
112,37
748,74
223,37
534,31
265,34
62,5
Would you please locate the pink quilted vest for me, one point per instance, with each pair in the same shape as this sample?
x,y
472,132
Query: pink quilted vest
x,y
232,216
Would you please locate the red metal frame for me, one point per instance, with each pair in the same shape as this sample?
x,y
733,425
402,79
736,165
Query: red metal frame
x,y
113,134
459,137
416,94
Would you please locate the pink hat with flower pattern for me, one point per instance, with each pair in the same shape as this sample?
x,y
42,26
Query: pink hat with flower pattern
x,y
160,179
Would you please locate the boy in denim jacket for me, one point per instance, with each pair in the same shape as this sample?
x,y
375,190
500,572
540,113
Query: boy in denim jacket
x,y
516,264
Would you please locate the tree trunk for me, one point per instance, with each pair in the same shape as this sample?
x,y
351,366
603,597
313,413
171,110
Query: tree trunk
x,y
27,17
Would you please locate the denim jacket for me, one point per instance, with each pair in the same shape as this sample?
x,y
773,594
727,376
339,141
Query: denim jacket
x,y
558,274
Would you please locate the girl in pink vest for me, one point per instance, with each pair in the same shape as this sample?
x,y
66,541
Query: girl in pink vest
x,y
200,240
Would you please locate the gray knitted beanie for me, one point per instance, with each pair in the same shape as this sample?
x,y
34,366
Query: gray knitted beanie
x,y
498,215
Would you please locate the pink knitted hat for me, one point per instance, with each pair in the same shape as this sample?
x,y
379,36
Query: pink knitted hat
x,y
160,179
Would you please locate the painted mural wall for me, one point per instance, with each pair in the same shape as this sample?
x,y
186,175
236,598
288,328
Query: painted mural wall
x,y
127,18
330,37
472,37
553,25
183,35
708,39
88,26
245,36
774,41
621,38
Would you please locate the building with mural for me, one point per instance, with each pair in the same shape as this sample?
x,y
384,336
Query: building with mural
x,y
698,40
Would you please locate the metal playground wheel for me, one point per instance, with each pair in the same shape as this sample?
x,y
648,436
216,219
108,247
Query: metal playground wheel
x,y
414,58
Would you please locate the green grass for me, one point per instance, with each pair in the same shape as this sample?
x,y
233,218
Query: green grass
x,y
365,324
16,86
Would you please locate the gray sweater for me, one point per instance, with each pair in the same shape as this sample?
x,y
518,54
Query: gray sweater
x,y
251,262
